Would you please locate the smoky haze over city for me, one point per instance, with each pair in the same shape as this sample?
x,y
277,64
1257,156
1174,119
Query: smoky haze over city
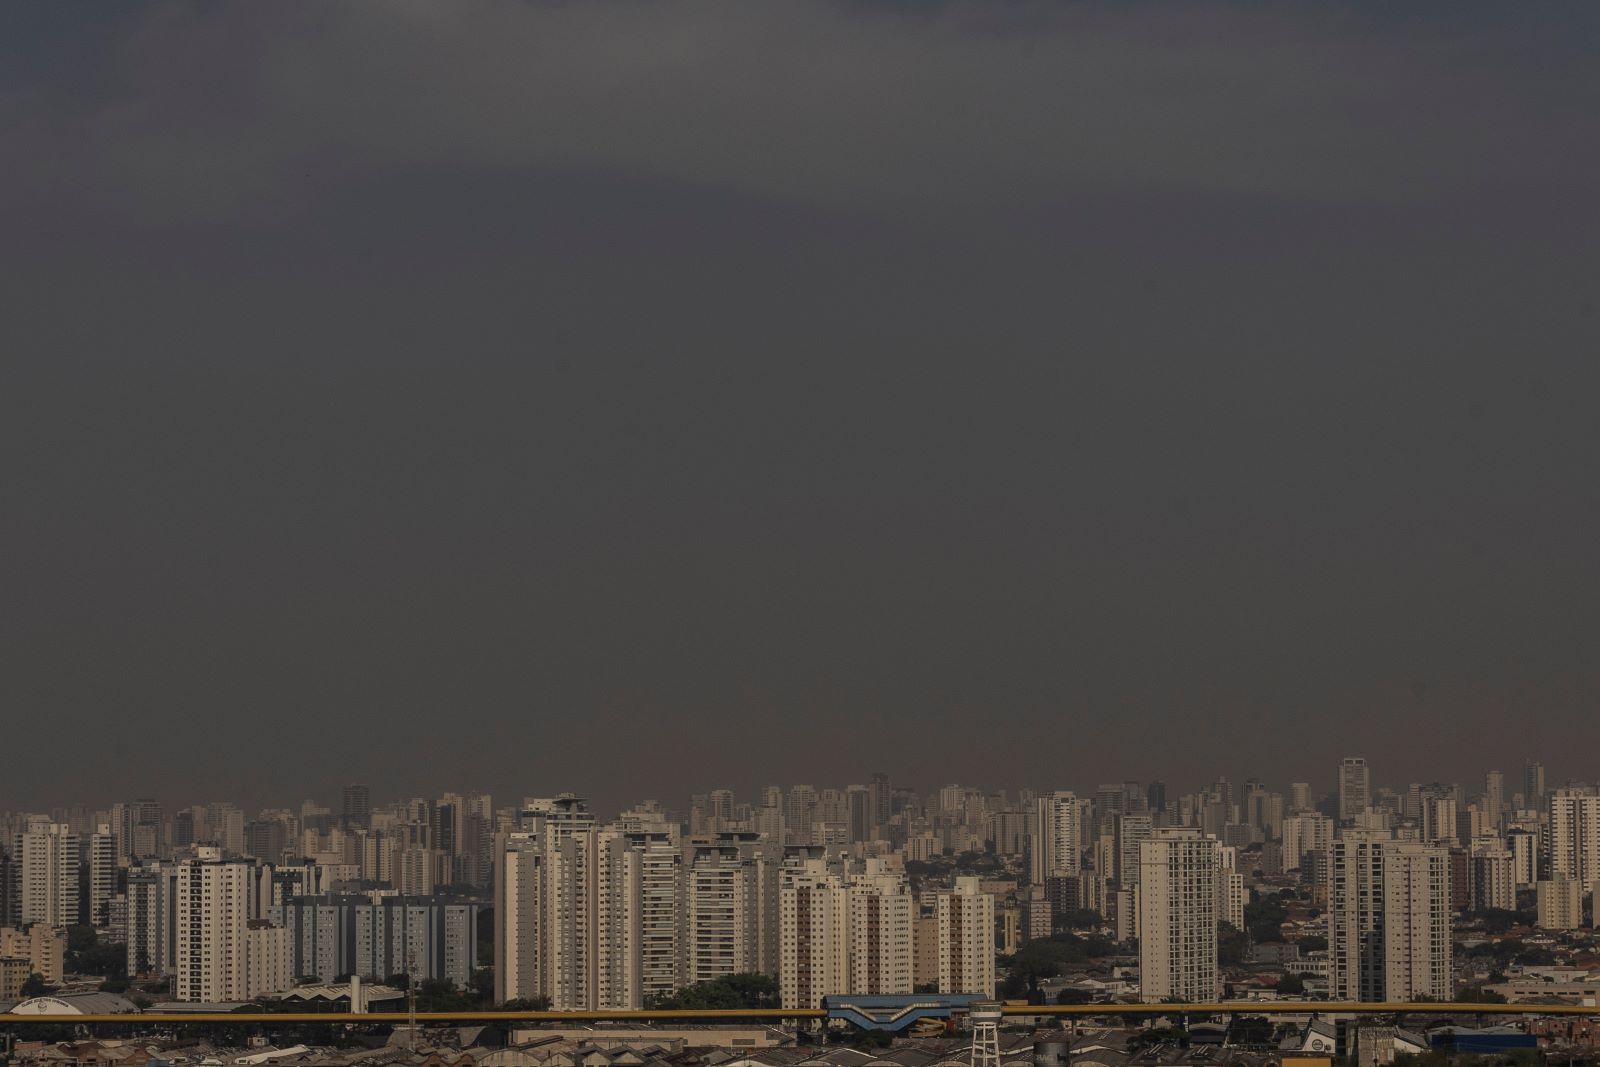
x,y
639,400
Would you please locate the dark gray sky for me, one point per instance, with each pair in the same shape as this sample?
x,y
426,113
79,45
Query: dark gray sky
x,y
642,397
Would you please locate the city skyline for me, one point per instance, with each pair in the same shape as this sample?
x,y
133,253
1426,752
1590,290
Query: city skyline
x,y
614,799
1373,893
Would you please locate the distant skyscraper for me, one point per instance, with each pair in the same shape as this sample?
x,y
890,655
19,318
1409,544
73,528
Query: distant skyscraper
x,y
1494,799
1156,797
1299,796
355,812
1355,788
1178,917
882,792
1533,785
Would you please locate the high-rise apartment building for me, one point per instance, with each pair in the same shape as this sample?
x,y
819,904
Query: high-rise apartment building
x,y
1306,833
1574,836
1493,872
1355,788
1389,920
588,916
1524,846
376,936
216,901
1560,904
138,827
519,972
840,933
1055,843
100,866
1128,832
46,874
1178,916
151,918
730,895
965,924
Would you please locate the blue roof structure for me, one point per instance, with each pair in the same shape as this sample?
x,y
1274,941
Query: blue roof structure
x,y
896,1013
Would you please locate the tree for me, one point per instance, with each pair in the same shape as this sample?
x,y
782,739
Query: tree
x,y
1264,918
729,991
1231,945
34,986
1313,943
1474,994
482,983
539,1003
1291,983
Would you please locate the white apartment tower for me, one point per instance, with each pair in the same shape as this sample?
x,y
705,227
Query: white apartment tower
x,y
1560,903
1305,833
1493,875
588,916
1230,887
216,901
518,906
1574,838
726,897
1178,916
1055,843
813,936
1389,920
101,856
46,859
965,921
881,946
843,934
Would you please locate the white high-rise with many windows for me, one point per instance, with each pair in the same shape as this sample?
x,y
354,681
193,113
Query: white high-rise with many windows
x,y
730,886
1055,842
47,878
965,918
840,933
216,901
1178,878
102,871
1305,833
1389,920
588,916
1574,837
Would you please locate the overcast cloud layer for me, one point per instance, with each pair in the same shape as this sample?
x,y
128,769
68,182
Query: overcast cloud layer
x,y
643,397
